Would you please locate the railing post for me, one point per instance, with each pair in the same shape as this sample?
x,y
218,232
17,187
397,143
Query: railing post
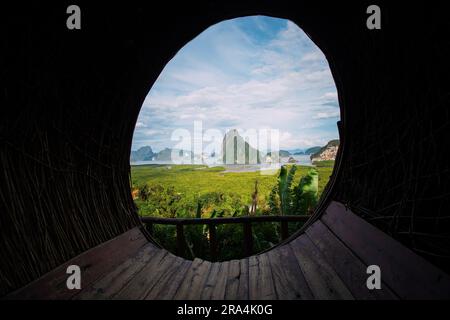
x,y
248,239
284,230
245,221
180,240
213,242
149,228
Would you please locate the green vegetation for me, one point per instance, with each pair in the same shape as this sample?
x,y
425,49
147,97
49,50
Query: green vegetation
x,y
191,191
324,163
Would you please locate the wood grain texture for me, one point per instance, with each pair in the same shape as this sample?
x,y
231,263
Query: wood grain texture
x,y
243,290
194,281
290,284
233,276
407,274
93,263
215,285
261,285
328,261
143,282
211,281
167,284
111,283
169,290
350,269
321,278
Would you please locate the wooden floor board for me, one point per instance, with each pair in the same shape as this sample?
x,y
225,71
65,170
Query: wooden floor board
x,y
232,282
321,278
192,286
211,281
328,261
111,283
289,281
350,269
169,278
261,285
169,290
138,287
243,290
93,263
406,273
215,285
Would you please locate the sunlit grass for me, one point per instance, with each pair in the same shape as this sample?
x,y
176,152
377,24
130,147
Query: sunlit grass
x,y
194,180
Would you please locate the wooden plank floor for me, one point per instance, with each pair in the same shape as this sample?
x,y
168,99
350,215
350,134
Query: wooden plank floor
x,y
328,261
94,263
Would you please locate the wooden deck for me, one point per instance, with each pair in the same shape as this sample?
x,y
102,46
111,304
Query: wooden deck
x,y
329,261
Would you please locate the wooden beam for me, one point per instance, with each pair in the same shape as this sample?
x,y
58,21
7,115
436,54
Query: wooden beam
x,y
284,230
216,221
213,242
180,240
149,227
248,239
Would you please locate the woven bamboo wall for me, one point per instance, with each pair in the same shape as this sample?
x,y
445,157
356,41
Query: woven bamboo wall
x,y
71,100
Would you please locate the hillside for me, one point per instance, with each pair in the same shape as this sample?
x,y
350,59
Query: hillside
x,y
146,154
312,150
142,154
166,154
328,152
281,154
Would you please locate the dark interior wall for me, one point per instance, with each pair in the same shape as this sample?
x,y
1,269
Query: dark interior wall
x,y
71,100
396,95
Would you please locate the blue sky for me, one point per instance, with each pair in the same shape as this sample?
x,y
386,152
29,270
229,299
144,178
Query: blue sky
x,y
252,72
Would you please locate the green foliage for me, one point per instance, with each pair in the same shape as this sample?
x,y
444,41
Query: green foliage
x,y
324,163
193,191
143,193
285,199
274,201
306,193
280,198
284,188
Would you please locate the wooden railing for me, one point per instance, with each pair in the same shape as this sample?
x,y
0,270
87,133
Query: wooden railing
x,y
246,222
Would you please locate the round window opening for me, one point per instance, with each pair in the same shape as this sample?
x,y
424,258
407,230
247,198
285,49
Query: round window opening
x,y
236,140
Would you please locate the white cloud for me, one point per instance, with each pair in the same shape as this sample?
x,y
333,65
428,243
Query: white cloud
x,y
228,77
330,95
313,56
327,115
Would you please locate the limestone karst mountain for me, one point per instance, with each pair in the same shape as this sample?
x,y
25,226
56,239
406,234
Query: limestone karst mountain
x,y
142,154
167,154
235,150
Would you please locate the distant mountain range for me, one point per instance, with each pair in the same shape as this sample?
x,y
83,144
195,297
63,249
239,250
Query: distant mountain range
x,y
235,150
142,154
166,154
296,152
146,154
281,153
